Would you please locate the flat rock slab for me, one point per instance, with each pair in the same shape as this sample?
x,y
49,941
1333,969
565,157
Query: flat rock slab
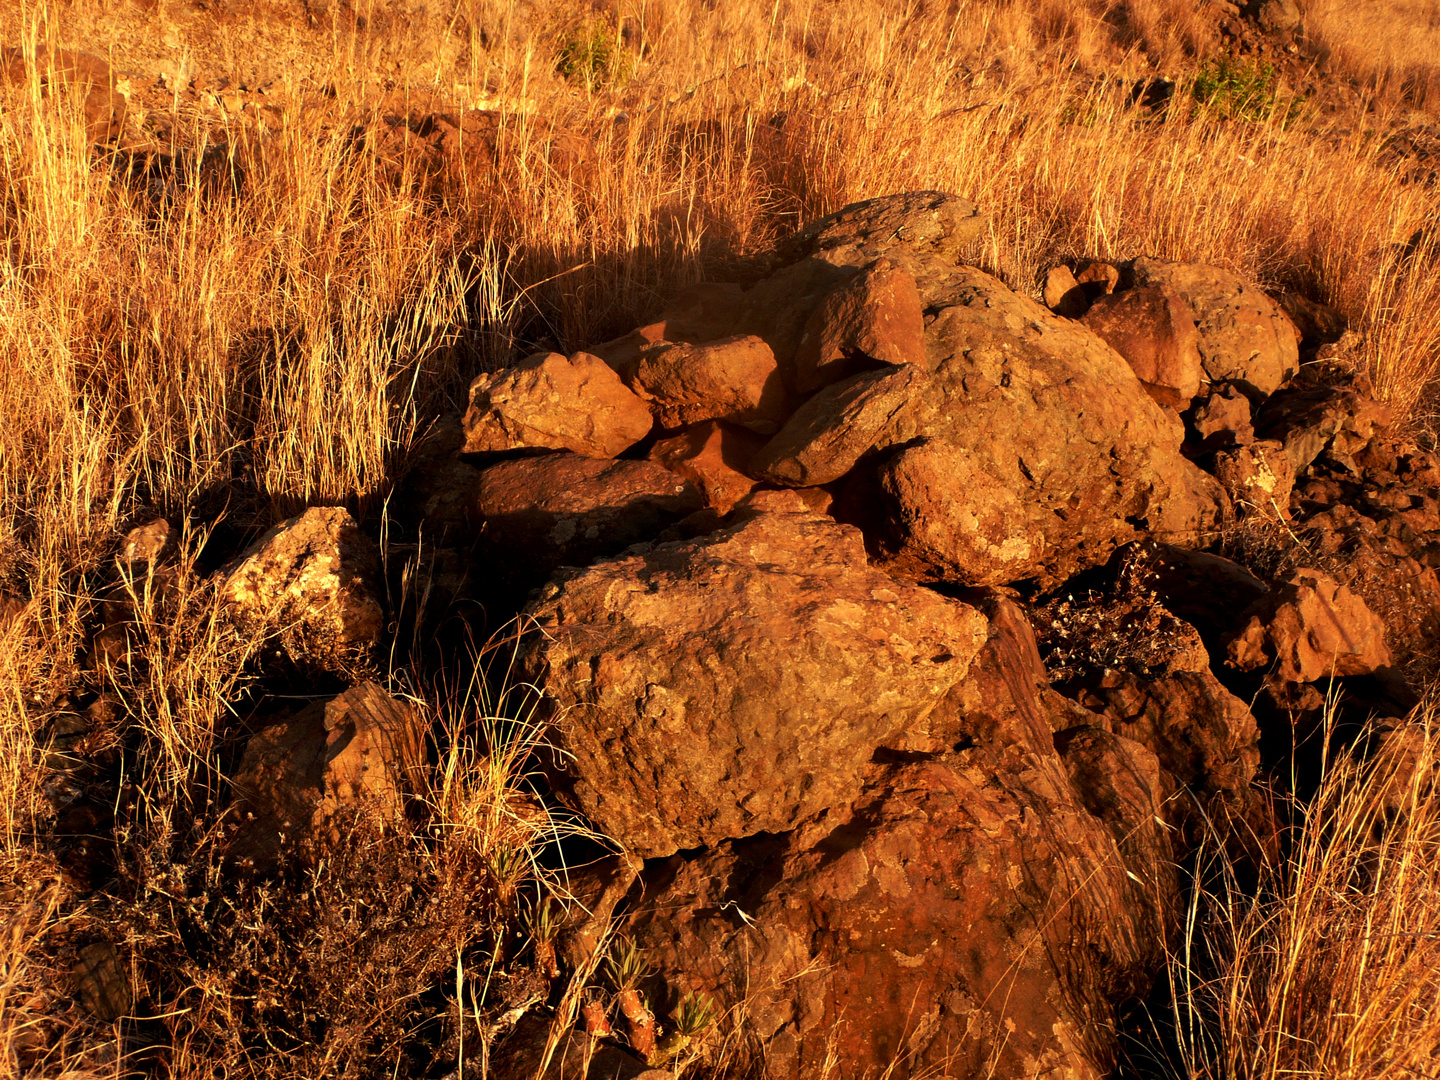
x,y
731,684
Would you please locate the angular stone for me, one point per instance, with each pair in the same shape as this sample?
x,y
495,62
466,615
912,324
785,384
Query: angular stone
x,y
1310,628
1098,279
735,379
735,683
1244,336
1063,294
1152,328
873,318
312,582
360,751
148,543
932,223
1223,419
1258,477
538,513
715,457
832,431
1311,420
548,401
101,982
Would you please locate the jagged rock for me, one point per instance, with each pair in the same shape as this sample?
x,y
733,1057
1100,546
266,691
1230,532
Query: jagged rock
x,y
1223,419
549,402
734,683
1098,279
362,751
832,431
310,581
1310,628
1243,335
1152,328
1311,420
873,318
964,912
1063,294
735,379
101,982
925,223
538,513
1258,478
715,457
148,543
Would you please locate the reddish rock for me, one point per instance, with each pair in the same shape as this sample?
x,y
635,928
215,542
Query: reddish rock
x,y
705,311
832,431
624,352
1243,335
312,583
926,223
873,318
538,513
1258,478
83,74
1152,328
1208,591
148,543
1222,419
1310,628
1063,294
715,457
735,683
1314,420
1318,324
1097,279
547,401
362,751
735,379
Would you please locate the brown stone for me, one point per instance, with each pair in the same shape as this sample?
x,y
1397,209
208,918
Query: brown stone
x,y
873,318
1152,328
1258,477
1310,628
1098,279
361,751
101,982
1208,591
83,74
715,457
148,543
927,223
1244,336
548,401
1063,294
735,379
734,683
312,582
538,513
1318,324
624,352
1222,419
1312,420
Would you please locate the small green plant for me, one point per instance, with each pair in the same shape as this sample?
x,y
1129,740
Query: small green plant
x,y
594,54
1246,90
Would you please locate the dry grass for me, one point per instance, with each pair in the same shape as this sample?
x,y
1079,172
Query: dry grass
x,y
269,324
1388,48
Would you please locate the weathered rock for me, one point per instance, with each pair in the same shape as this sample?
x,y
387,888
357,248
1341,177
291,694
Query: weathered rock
x,y
778,308
311,581
873,318
831,432
1258,478
965,913
148,543
624,352
715,457
1098,279
1207,591
526,1054
85,75
735,683
1310,628
362,751
1276,16
705,311
1222,419
1311,420
735,379
1318,324
101,982
1243,334
538,513
925,223
1152,328
550,402
1063,294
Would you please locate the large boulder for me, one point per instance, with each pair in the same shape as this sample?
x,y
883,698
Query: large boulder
x,y
550,402
872,319
1153,329
360,752
732,684
312,583
1309,628
1244,336
966,912
538,513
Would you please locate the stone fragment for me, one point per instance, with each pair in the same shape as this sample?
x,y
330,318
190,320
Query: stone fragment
x,y
735,379
83,74
1222,419
715,457
832,431
1063,294
1258,477
312,582
538,513
148,543
362,751
732,684
1098,279
101,982
1152,328
1244,336
1311,420
1276,16
1310,628
873,318
549,402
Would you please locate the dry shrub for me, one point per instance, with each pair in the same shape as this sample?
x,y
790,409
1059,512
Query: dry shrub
x,y
1332,967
